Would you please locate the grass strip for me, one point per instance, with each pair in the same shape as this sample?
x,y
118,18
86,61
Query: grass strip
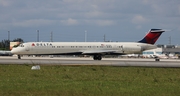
x,y
16,80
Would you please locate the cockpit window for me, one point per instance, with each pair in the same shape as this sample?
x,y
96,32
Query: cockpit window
x,y
15,46
19,45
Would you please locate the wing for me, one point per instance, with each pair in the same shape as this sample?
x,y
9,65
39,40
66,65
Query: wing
x,y
89,52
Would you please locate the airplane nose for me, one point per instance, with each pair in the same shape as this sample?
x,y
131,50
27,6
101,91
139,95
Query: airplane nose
x,y
14,51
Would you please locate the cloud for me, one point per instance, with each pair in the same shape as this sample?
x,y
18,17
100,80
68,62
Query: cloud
x,y
101,22
93,14
105,22
179,9
33,23
139,27
139,19
69,21
5,3
138,14
145,1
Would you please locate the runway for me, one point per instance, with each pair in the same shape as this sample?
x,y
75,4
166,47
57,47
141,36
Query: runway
x,y
89,61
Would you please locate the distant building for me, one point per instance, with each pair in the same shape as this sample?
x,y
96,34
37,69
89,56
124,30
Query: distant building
x,y
170,49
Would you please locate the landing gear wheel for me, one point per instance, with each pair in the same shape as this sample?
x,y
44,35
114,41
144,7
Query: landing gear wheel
x,y
19,57
97,57
157,59
94,58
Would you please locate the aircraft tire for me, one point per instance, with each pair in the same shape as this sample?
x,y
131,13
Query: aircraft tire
x,y
97,57
19,57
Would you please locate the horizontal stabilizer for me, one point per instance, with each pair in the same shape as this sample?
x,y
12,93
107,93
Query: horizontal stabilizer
x,y
157,30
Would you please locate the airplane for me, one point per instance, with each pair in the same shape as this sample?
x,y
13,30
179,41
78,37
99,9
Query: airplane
x,y
95,49
172,56
159,55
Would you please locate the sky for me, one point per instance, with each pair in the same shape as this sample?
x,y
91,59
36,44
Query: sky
x,y
70,20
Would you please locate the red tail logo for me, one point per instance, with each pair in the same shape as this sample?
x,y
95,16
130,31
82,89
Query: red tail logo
x,y
152,36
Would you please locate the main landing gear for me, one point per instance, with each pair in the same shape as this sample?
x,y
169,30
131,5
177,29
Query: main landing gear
x,y
157,58
97,57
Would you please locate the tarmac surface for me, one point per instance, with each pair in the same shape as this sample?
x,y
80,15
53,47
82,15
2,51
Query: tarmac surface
x,y
89,61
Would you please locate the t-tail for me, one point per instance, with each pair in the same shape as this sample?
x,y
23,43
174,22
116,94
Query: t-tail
x,y
152,36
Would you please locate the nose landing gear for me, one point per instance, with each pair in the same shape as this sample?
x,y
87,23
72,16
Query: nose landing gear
x,y
19,56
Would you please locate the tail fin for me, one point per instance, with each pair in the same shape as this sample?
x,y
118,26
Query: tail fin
x,y
152,36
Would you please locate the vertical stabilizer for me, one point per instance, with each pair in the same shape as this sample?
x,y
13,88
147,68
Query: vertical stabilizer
x,y
152,36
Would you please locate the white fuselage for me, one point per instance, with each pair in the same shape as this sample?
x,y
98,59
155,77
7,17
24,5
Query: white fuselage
x,y
50,48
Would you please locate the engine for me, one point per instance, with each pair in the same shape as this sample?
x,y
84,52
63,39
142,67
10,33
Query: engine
x,y
131,49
